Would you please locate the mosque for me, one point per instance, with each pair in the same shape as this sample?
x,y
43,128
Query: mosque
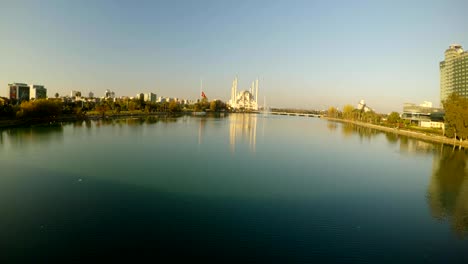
x,y
244,100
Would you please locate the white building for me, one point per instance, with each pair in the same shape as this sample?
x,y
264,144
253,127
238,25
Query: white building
x,y
244,100
363,107
37,92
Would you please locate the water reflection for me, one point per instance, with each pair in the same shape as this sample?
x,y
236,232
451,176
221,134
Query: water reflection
x,y
447,194
201,128
332,126
349,129
414,146
243,127
23,137
448,189
406,145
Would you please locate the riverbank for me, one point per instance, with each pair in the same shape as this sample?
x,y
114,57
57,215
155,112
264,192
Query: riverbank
x,y
404,132
11,123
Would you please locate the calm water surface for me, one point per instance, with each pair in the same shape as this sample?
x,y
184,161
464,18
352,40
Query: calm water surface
x,y
240,188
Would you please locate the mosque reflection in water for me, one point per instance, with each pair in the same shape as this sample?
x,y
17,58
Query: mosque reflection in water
x,y
447,194
243,130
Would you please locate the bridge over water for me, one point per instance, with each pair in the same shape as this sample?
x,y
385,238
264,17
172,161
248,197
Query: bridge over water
x,y
296,114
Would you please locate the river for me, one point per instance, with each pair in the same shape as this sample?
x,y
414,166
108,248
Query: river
x,y
240,187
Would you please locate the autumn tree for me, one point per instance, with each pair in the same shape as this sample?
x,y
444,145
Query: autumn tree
x,y
174,107
348,111
332,111
41,108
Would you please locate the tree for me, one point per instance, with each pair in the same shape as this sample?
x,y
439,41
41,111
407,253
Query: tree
x,y
41,108
102,108
174,107
348,111
57,95
393,118
332,112
217,105
117,108
456,116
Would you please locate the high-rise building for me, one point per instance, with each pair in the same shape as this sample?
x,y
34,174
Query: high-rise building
x,y
140,96
454,72
37,92
149,97
18,91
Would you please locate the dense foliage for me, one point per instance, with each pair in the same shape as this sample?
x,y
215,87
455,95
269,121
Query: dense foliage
x,y
41,108
456,116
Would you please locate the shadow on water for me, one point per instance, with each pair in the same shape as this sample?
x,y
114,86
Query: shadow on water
x,y
447,193
406,144
24,136
348,130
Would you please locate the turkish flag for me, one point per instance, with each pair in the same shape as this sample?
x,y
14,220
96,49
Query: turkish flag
x,y
203,94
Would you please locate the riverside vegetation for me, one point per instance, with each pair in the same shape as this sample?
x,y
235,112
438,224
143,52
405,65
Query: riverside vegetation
x,y
54,109
455,119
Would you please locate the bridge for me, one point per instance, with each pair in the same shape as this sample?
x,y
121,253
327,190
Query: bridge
x,y
296,114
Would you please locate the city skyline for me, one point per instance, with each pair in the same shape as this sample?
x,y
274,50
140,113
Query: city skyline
x,y
307,54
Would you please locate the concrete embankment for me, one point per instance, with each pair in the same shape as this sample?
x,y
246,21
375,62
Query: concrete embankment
x,y
403,132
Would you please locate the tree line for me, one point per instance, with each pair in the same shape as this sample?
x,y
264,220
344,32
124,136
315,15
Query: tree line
x,y
455,117
55,107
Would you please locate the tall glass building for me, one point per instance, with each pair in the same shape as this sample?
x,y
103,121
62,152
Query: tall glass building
x,y
454,72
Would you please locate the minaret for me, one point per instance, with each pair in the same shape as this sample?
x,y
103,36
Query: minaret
x,y
234,93
256,91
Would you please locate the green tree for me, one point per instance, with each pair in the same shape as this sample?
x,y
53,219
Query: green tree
x,y
393,118
102,108
174,107
217,106
132,106
456,116
117,108
56,95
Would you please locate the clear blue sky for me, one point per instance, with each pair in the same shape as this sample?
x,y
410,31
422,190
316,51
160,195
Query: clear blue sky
x,y
307,54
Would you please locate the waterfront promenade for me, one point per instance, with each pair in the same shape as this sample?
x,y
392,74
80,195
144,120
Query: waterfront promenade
x,y
403,132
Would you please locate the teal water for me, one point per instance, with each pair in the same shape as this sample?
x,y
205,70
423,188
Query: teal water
x,y
244,188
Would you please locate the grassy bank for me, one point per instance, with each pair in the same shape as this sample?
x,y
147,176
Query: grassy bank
x,y
432,137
